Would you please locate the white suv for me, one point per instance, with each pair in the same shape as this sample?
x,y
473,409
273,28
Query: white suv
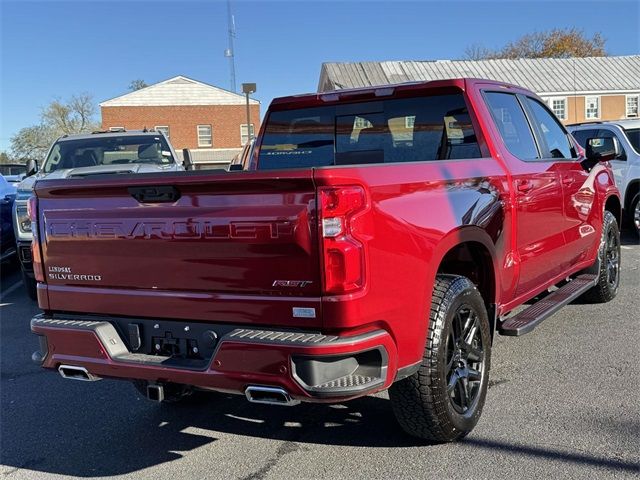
x,y
626,165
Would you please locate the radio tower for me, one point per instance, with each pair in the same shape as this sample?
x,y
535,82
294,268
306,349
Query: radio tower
x,y
229,51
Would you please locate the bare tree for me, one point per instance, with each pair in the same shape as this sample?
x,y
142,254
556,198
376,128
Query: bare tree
x,y
555,43
477,51
4,158
59,118
137,84
74,116
32,142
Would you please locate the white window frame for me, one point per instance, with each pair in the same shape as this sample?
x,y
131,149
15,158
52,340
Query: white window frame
x,y
201,143
162,128
626,105
550,101
586,106
116,129
409,122
252,131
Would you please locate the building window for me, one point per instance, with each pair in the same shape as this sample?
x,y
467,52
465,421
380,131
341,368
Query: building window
x,y
592,107
632,105
409,122
244,136
204,136
164,129
559,107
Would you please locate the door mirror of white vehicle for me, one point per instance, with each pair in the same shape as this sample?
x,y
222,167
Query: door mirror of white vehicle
x,y
602,149
32,167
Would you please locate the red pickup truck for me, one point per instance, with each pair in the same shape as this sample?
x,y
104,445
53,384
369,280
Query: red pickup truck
x,y
380,240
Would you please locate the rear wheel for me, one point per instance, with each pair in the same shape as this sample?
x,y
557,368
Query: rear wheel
x,y
443,400
607,267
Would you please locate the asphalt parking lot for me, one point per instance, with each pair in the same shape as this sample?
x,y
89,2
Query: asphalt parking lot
x,y
563,403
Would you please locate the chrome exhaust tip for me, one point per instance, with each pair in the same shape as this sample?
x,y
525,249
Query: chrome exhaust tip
x,y
270,396
73,372
155,392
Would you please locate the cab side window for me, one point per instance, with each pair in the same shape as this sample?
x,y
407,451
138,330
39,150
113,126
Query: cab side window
x,y
557,141
512,124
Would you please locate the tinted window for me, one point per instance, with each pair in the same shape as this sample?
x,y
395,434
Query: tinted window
x,y
513,125
555,137
399,130
107,150
633,135
582,136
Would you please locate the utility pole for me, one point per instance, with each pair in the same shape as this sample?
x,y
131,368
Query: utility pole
x,y
229,51
247,89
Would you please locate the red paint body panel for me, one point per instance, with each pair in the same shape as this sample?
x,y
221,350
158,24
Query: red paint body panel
x,y
221,252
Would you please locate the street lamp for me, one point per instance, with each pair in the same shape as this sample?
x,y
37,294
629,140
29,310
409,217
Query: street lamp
x,y
247,89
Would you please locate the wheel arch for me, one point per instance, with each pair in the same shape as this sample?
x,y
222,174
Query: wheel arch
x,y
632,190
469,252
613,205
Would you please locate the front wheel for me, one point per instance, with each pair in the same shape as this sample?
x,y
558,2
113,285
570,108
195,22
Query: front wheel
x,y
443,400
635,213
607,266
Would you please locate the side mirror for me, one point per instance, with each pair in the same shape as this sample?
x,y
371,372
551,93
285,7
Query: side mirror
x,y
32,167
601,149
187,162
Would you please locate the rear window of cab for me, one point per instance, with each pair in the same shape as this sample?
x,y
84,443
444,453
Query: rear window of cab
x,y
427,128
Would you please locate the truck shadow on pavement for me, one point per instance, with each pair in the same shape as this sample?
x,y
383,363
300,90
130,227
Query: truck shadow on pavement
x,y
108,432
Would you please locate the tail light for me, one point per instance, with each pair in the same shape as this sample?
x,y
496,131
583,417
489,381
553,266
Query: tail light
x,y
343,245
36,258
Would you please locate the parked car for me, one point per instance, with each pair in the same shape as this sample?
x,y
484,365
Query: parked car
x,y
7,239
626,164
380,239
86,156
242,159
13,172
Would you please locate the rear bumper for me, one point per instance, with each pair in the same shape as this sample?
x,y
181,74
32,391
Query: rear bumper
x,y
309,366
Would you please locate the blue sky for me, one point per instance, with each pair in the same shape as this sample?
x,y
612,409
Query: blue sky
x,y
53,49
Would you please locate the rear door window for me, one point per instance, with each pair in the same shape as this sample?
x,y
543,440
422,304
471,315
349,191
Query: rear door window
x,y
554,135
436,127
512,124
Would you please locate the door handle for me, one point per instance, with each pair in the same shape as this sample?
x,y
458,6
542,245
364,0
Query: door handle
x,y
524,186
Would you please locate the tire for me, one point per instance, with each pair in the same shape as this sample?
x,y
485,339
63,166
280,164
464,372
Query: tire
x,y
423,404
635,214
173,392
607,267
30,286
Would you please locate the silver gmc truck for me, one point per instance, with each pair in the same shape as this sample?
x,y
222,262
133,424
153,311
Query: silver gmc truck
x,y
86,155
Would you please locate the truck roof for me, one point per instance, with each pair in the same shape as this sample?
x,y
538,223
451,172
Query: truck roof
x,y
323,98
107,133
624,124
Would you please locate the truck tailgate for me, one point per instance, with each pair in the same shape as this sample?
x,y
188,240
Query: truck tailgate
x,y
211,246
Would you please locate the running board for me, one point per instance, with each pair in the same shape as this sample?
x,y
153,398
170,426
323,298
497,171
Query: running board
x,y
532,316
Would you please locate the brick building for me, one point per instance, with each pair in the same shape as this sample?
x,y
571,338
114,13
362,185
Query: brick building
x,y
576,89
210,121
